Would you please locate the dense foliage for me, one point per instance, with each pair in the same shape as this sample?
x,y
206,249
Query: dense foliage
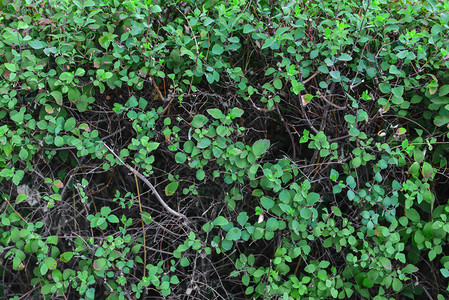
x,y
224,149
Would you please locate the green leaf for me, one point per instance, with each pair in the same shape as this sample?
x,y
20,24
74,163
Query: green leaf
x,y
106,39
57,95
52,240
410,269
200,174
59,141
236,112
113,219
336,211
427,170
259,147
66,256
445,273
335,75
266,202
204,143
180,157
305,212
234,234
312,198
221,221
272,224
385,87
217,49
215,113
171,188
242,218
100,264
397,285
248,28
146,217
398,91
23,154
414,169
268,43
20,198
444,90
11,67
345,57
35,44
412,215
184,262
277,83
51,263
105,211
69,124
199,121
47,288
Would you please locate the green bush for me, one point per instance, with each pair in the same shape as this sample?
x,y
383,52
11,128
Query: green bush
x,y
238,149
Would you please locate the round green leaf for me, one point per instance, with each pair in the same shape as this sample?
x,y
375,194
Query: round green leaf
x,y
260,146
100,264
234,234
180,157
200,174
204,143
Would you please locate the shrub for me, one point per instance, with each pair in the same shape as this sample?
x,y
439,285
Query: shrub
x,y
234,149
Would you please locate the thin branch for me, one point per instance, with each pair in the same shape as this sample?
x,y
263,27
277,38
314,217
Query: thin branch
x,y
148,183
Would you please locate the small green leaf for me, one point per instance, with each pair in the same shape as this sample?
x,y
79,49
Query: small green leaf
x,y
444,90
427,170
336,211
242,218
20,198
215,113
199,121
52,240
277,83
23,154
200,174
397,285
236,112
146,217
204,143
180,157
66,256
221,221
410,269
414,169
234,234
11,67
412,215
345,57
171,188
100,264
51,263
260,146
398,91
58,97
217,49
69,124
385,87
266,202
35,44
113,219
59,141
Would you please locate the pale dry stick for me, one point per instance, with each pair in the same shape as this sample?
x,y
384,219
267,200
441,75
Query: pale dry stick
x,y
143,227
148,183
